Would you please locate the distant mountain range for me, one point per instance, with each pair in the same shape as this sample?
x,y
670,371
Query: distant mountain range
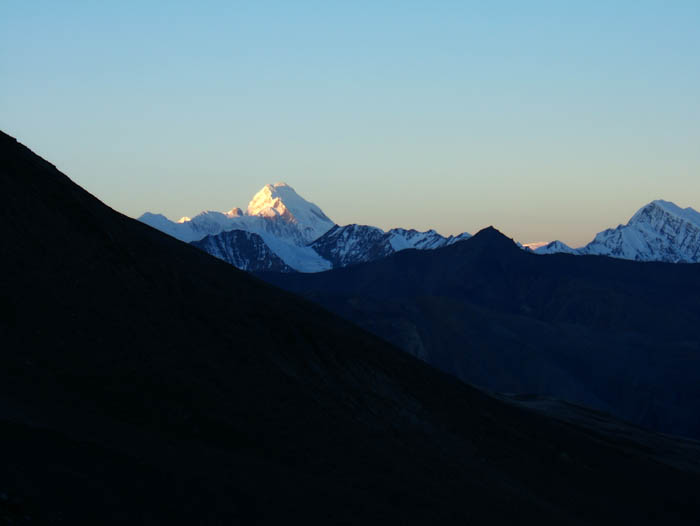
x,y
276,216
287,233
615,335
659,231
352,244
146,382
284,227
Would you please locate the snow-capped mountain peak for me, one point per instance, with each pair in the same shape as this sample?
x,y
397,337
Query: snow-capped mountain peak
x,y
660,209
284,220
659,231
288,227
281,200
268,200
555,247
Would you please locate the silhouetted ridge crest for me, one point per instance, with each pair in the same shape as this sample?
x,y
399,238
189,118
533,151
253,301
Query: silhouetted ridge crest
x,y
129,355
492,239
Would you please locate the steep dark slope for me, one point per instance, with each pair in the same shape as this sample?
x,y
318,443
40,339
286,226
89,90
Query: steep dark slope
x,y
144,381
615,335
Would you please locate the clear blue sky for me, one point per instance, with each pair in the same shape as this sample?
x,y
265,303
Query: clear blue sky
x,y
546,119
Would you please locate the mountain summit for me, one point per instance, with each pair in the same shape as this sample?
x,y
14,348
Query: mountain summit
x,y
280,200
659,209
277,216
285,226
659,231
275,209
491,239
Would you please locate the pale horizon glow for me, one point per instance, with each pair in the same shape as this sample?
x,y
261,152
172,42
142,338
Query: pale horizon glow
x,y
535,245
544,119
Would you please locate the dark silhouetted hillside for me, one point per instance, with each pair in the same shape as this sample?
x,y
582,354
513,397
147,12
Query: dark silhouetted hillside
x,y
619,336
145,382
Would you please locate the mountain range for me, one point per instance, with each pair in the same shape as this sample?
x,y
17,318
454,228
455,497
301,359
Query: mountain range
x,y
276,216
295,231
615,335
442,333
659,231
146,382
288,233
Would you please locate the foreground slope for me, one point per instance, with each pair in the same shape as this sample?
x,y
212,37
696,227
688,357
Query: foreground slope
x,y
145,382
619,336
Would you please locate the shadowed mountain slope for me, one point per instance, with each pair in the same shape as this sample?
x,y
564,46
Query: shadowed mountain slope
x,y
145,382
616,335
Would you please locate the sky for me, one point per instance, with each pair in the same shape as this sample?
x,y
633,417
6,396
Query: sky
x,y
548,120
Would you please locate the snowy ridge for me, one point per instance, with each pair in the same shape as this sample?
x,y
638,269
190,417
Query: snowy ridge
x,y
285,221
276,209
555,247
659,231
243,250
352,244
293,230
662,210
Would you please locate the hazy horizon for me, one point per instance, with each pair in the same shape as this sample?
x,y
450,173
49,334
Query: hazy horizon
x,y
546,121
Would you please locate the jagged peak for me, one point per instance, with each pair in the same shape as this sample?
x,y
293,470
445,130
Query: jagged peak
x,y
234,212
412,231
357,226
666,207
491,237
281,199
490,232
558,244
555,247
275,208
